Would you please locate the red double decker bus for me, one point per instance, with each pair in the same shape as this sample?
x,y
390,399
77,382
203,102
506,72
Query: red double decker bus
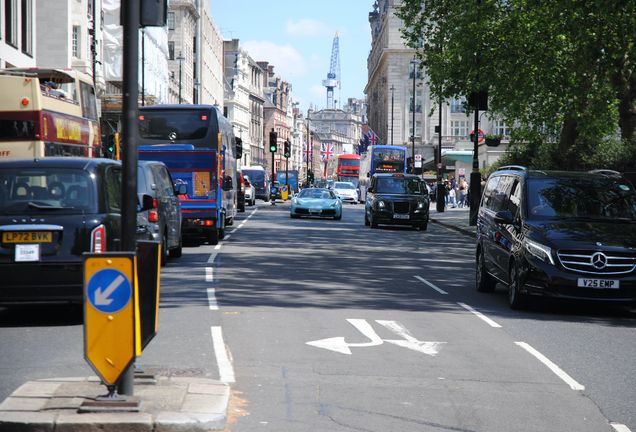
x,y
349,168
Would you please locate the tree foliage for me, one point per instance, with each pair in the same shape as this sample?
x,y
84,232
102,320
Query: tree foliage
x,y
559,70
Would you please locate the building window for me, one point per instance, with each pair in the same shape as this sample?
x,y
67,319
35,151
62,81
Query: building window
x,y
501,128
457,105
11,22
459,127
170,50
27,26
418,101
76,41
170,20
418,128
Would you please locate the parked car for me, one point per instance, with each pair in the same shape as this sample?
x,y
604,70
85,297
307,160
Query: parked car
x,y
346,191
396,199
316,202
240,192
154,179
275,192
52,210
557,234
250,191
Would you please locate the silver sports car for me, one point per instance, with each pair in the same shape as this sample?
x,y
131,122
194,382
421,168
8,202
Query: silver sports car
x,y
316,202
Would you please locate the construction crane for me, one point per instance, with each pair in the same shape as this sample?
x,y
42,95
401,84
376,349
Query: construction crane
x,y
333,77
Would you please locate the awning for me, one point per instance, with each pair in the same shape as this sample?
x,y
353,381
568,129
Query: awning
x,y
448,159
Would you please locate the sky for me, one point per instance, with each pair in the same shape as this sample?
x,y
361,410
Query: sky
x,y
297,38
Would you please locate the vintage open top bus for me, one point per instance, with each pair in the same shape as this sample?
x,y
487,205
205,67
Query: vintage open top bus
x,y
48,112
349,168
380,159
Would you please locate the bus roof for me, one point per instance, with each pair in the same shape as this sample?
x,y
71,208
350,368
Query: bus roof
x,y
349,156
52,74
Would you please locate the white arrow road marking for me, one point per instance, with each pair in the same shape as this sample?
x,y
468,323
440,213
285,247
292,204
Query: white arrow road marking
x,y
338,344
430,348
101,298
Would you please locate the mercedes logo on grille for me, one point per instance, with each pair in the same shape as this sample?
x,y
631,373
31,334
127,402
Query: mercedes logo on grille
x,y
599,260
173,135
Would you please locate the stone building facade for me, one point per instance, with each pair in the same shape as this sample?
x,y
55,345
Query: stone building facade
x,y
392,74
244,99
275,111
182,24
208,70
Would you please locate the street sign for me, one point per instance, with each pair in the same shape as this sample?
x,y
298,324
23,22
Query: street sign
x,y
481,135
462,171
284,191
110,330
418,161
439,165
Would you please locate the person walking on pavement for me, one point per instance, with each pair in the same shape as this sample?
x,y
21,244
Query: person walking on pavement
x,y
462,189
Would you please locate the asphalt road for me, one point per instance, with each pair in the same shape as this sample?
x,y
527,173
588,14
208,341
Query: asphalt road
x,y
330,325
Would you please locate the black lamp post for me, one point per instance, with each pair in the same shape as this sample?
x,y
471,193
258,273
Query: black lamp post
x,y
180,58
392,110
415,63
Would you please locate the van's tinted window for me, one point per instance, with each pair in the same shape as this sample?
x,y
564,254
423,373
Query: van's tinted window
x,y
515,198
257,177
490,191
582,198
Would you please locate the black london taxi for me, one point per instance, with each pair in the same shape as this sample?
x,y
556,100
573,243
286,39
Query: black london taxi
x,y
396,199
52,210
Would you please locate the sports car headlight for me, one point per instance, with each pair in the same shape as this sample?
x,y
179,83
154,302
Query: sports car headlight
x,y
334,204
539,250
294,201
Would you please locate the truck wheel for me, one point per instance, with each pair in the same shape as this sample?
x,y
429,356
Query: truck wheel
x,y
212,236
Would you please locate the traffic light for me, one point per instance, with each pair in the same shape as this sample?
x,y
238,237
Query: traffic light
x,y
239,147
273,142
108,146
287,149
310,177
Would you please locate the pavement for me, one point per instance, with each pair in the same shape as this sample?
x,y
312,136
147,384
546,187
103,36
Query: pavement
x,y
165,404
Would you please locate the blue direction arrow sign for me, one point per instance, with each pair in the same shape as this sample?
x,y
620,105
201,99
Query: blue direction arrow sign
x,y
109,290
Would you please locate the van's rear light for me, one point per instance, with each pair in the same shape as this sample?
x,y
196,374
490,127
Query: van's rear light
x,y
206,222
98,239
152,213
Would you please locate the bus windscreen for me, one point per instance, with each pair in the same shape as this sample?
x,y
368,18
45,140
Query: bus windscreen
x,y
175,125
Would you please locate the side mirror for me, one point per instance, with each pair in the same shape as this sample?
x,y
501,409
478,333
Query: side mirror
x,y
146,203
182,189
504,217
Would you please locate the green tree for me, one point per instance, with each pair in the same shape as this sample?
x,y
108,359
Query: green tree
x,y
559,70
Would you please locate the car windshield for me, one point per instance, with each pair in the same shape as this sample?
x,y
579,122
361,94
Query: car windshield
x,y
581,198
317,193
342,185
28,191
400,186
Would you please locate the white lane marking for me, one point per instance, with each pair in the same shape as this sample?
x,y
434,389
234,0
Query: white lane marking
x,y
235,230
212,258
214,305
338,344
620,427
441,291
430,348
217,247
227,237
557,370
209,274
480,315
226,371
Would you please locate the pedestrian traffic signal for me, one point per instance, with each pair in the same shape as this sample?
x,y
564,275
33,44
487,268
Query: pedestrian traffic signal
x,y
273,142
287,148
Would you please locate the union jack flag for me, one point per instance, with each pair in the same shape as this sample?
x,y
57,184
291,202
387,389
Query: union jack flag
x,y
307,151
327,151
373,138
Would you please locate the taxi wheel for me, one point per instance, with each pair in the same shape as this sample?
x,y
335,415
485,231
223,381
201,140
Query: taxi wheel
x,y
366,220
373,222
